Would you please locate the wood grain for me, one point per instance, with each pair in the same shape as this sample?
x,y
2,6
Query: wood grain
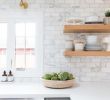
x,y
86,53
87,28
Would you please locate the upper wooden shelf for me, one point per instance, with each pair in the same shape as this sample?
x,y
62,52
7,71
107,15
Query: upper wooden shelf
x,y
86,53
87,28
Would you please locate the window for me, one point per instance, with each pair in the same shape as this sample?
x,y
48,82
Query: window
x,y
3,44
21,44
25,45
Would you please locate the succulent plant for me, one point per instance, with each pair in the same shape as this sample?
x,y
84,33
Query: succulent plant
x,y
61,76
107,13
47,76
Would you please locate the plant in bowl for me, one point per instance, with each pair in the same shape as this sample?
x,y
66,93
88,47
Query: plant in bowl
x,y
107,17
58,80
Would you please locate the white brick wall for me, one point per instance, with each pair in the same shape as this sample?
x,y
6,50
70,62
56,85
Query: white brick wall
x,y
55,12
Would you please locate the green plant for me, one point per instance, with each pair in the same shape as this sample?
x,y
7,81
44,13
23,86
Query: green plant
x,y
47,76
107,13
62,76
71,77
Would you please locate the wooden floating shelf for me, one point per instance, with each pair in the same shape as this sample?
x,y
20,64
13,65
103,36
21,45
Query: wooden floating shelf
x,y
87,28
86,53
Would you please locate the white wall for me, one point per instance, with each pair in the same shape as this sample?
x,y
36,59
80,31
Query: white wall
x,y
55,13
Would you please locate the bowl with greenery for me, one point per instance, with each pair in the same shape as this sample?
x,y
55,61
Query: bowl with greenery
x,y
107,17
58,80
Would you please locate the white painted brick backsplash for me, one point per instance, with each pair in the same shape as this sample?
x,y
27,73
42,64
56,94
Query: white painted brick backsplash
x,y
55,14
59,1
99,1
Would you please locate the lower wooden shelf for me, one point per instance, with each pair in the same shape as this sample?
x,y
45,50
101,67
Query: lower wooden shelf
x,y
86,53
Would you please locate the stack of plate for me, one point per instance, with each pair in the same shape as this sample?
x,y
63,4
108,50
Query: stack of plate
x,y
93,20
91,47
92,43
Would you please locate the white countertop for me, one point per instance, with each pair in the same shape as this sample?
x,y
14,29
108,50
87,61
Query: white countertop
x,y
15,90
85,91
92,91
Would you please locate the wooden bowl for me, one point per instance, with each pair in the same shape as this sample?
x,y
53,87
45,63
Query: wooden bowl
x,y
58,84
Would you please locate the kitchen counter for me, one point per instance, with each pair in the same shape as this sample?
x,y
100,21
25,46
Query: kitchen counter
x,y
84,91
92,91
30,90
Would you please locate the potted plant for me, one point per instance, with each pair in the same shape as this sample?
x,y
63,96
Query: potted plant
x,y
107,17
58,80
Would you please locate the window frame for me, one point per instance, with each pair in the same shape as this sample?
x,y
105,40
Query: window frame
x,y
37,18
3,21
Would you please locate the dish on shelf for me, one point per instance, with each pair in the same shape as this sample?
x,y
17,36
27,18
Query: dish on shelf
x,y
93,19
95,47
91,39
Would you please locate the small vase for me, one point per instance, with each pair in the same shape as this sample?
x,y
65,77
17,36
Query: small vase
x,y
69,45
108,47
107,20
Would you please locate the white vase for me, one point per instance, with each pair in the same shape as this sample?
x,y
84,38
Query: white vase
x,y
108,47
107,20
69,45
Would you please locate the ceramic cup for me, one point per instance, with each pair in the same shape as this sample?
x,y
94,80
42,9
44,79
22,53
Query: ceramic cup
x,y
79,46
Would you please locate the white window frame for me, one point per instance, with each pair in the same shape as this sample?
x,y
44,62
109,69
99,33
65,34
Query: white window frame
x,y
11,20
